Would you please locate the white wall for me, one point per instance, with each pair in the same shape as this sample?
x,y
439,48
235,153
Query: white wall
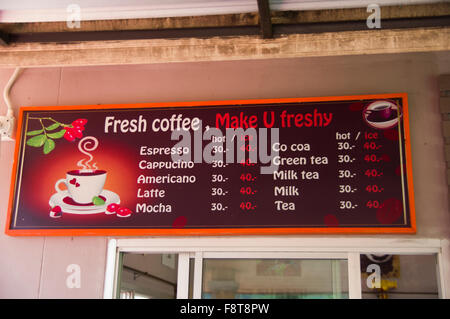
x,y
35,267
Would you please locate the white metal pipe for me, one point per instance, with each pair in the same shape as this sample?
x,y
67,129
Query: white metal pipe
x,y
10,112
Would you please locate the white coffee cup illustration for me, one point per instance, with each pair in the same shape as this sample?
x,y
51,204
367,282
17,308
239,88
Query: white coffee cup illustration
x,y
83,185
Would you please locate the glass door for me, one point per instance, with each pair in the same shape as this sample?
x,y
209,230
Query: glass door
x,y
147,276
251,275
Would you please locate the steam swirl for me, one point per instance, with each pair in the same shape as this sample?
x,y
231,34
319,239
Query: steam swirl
x,y
86,145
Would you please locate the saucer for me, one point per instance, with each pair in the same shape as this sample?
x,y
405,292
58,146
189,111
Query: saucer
x,y
63,200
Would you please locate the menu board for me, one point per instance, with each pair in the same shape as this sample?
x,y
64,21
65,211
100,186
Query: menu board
x,y
280,166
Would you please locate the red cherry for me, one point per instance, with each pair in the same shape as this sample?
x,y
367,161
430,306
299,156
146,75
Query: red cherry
x,y
69,136
123,212
77,132
112,208
56,212
79,122
56,209
78,127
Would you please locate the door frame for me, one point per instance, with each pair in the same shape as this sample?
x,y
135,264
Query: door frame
x,y
331,247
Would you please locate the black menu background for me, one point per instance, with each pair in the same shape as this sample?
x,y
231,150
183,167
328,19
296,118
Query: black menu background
x,y
313,203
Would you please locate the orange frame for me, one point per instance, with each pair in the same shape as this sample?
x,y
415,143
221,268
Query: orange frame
x,y
220,231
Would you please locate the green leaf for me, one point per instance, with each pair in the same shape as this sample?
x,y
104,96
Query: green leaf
x,y
37,141
98,201
58,134
32,133
49,145
52,127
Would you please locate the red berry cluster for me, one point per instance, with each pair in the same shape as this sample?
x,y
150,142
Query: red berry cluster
x,y
75,130
120,211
